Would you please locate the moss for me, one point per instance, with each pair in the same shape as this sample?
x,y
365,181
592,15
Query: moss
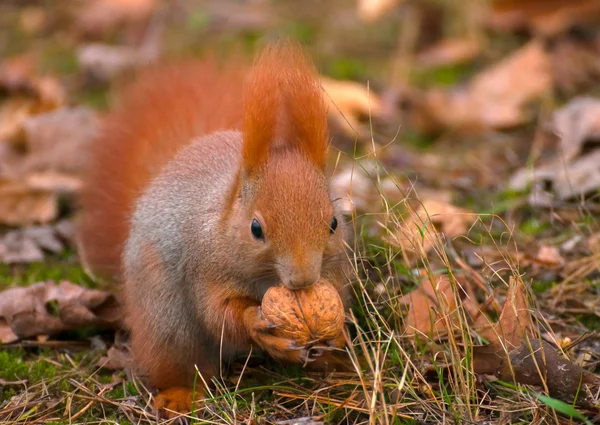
x,y
12,365
55,268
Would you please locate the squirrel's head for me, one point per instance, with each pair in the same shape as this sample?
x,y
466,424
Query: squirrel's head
x,y
287,218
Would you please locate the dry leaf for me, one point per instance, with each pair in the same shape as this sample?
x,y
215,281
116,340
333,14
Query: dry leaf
x,y
99,16
29,244
544,17
118,356
360,187
430,307
13,114
570,173
424,225
22,205
496,97
449,52
575,63
348,101
549,256
577,123
372,10
506,335
47,308
60,140
105,62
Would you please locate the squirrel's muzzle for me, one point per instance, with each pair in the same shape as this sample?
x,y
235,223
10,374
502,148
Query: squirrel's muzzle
x,y
301,274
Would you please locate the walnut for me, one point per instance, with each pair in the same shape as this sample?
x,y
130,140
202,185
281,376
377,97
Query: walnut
x,y
306,316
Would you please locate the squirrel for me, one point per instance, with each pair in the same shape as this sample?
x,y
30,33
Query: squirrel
x,y
207,187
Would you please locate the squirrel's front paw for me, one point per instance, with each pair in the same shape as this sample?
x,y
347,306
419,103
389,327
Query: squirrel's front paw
x,y
262,333
173,402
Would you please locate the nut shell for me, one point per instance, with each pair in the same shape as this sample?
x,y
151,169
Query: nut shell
x,y
305,316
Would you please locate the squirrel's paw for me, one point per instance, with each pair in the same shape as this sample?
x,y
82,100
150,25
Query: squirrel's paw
x,y
174,402
261,332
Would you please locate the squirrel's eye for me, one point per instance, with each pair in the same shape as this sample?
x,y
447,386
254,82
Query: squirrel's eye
x,y
334,225
256,230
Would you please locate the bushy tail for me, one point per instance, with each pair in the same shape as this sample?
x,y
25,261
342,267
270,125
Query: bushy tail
x,y
164,110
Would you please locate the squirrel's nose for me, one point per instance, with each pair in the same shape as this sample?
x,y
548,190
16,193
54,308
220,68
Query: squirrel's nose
x,y
300,271
302,279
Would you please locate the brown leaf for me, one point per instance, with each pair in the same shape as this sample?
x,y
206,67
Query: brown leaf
x,y
544,17
99,16
428,305
549,256
348,101
515,320
449,52
372,10
431,218
60,140
118,356
28,244
496,97
575,63
21,205
570,173
536,363
47,308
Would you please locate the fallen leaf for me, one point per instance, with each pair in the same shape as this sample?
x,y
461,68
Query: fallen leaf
x,y
349,101
47,308
575,63
449,52
429,307
33,20
13,114
432,308
538,363
515,354
307,420
495,98
97,17
360,186
15,247
119,355
59,141
372,10
424,226
515,320
30,243
576,123
16,75
544,17
22,205
571,173
549,256
105,62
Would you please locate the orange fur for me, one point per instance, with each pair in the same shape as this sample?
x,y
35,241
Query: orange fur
x,y
165,110
284,101
283,150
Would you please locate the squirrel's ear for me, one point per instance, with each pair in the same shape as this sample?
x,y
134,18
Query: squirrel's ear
x,y
261,106
284,101
305,112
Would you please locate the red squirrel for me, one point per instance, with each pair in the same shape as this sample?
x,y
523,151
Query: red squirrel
x,y
206,188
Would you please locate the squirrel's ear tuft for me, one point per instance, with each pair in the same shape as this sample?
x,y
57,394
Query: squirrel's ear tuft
x,y
261,106
283,101
304,123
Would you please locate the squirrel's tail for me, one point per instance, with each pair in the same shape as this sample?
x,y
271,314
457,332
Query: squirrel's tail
x,y
164,110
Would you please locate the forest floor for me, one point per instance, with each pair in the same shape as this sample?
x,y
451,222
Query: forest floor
x,y
465,149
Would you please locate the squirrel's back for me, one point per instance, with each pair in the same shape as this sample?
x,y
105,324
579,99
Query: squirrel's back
x,y
166,109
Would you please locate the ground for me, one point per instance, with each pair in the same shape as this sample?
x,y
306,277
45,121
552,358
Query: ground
x,y
433,144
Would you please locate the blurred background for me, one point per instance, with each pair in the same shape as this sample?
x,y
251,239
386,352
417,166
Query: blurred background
x,y
483,113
